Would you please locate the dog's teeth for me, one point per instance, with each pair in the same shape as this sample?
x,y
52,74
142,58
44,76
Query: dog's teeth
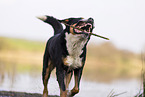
x,y
43,18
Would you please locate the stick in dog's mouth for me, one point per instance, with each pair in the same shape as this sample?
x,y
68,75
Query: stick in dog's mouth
x,y
82,26
85,28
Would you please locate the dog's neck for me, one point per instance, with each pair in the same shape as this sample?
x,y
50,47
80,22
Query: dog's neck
x,y
75,44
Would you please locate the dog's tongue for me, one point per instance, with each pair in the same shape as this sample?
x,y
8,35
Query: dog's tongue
x,y
87,32
81,32
77,30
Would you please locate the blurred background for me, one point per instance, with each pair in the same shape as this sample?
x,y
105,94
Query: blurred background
x,y
115,64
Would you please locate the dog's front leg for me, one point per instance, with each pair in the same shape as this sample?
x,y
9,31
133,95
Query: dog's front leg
x,y
68,77
60,73
77,75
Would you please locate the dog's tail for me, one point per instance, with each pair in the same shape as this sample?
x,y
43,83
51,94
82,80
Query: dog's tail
x,y
55,23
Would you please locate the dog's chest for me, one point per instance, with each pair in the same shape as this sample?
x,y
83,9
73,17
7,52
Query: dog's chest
x,y
74,44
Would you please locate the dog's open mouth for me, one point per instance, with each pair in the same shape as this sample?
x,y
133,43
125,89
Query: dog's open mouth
x,y
83,27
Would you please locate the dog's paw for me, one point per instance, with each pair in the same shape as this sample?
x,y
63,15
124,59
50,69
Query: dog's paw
x,y
45,94
73,92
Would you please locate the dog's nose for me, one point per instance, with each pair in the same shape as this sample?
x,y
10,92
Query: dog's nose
x,y
43,18
91,20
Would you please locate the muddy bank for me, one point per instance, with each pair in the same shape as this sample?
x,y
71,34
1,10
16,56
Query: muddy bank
x,y
21,94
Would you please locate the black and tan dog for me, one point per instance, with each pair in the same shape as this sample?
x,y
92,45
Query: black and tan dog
x,y
66,51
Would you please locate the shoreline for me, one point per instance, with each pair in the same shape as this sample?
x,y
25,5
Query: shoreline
x,y
21,94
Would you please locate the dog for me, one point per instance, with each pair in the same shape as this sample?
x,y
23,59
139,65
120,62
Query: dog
x,y
66,51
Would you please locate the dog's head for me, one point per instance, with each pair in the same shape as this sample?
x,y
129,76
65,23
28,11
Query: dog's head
x,y
75,26
79,25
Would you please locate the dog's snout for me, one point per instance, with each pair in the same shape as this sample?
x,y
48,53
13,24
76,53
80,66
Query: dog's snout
x,y
91,19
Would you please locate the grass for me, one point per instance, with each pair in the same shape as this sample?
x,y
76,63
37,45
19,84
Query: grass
x,y
21,51
21,55
19,44
104,61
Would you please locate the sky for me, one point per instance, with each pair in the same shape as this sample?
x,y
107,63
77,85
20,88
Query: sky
x,y
122,21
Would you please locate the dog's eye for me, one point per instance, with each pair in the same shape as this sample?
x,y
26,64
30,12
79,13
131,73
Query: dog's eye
x,y
80,23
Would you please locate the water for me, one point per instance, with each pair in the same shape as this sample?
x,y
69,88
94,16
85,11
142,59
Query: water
x,y
32,83
27,78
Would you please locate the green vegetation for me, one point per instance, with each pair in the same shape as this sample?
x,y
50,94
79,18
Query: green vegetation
x,y
20,55
104,61
19,44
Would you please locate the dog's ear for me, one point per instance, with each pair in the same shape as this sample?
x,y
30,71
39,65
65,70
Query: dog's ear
x,y
65,21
